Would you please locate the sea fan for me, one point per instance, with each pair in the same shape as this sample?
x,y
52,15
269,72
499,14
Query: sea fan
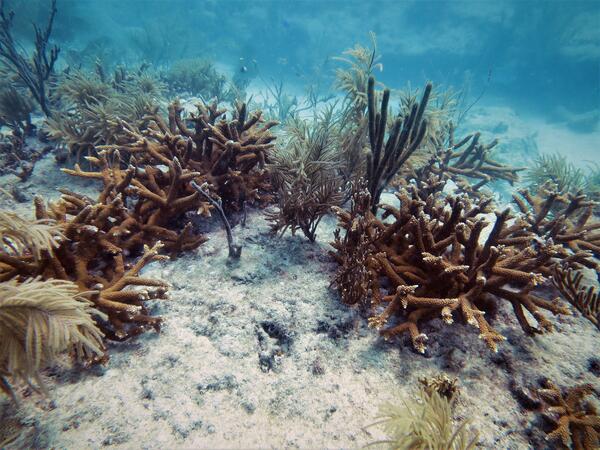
x,y
19,237
39,320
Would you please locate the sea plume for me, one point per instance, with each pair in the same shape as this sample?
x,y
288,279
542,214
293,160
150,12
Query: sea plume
x,y
39,320
19,237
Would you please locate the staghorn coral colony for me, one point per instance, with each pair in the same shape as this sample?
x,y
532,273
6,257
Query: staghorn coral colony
x,y
423,251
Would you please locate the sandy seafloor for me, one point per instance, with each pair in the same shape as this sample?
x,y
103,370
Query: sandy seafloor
x,y
260,353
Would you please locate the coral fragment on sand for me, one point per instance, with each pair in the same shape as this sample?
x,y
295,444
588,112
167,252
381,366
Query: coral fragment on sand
x,y
576,421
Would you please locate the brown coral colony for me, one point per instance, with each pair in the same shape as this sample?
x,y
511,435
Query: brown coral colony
x,y
451,255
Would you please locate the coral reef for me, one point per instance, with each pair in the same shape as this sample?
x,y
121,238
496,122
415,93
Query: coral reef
x,y
76,248
148,202
585,298
468,163
565,222
577,424
35,70
230,155
434,260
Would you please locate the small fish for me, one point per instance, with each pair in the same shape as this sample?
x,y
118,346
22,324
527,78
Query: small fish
x,y
243,69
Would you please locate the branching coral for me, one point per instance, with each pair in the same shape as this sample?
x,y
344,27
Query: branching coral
x,y
425,424
433,259
35,71
144,202
305,174
228,154
563,221
585,298
466,160
84,253
40,320
577,422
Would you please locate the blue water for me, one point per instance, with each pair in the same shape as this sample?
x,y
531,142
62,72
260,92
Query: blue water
x,y
540,57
